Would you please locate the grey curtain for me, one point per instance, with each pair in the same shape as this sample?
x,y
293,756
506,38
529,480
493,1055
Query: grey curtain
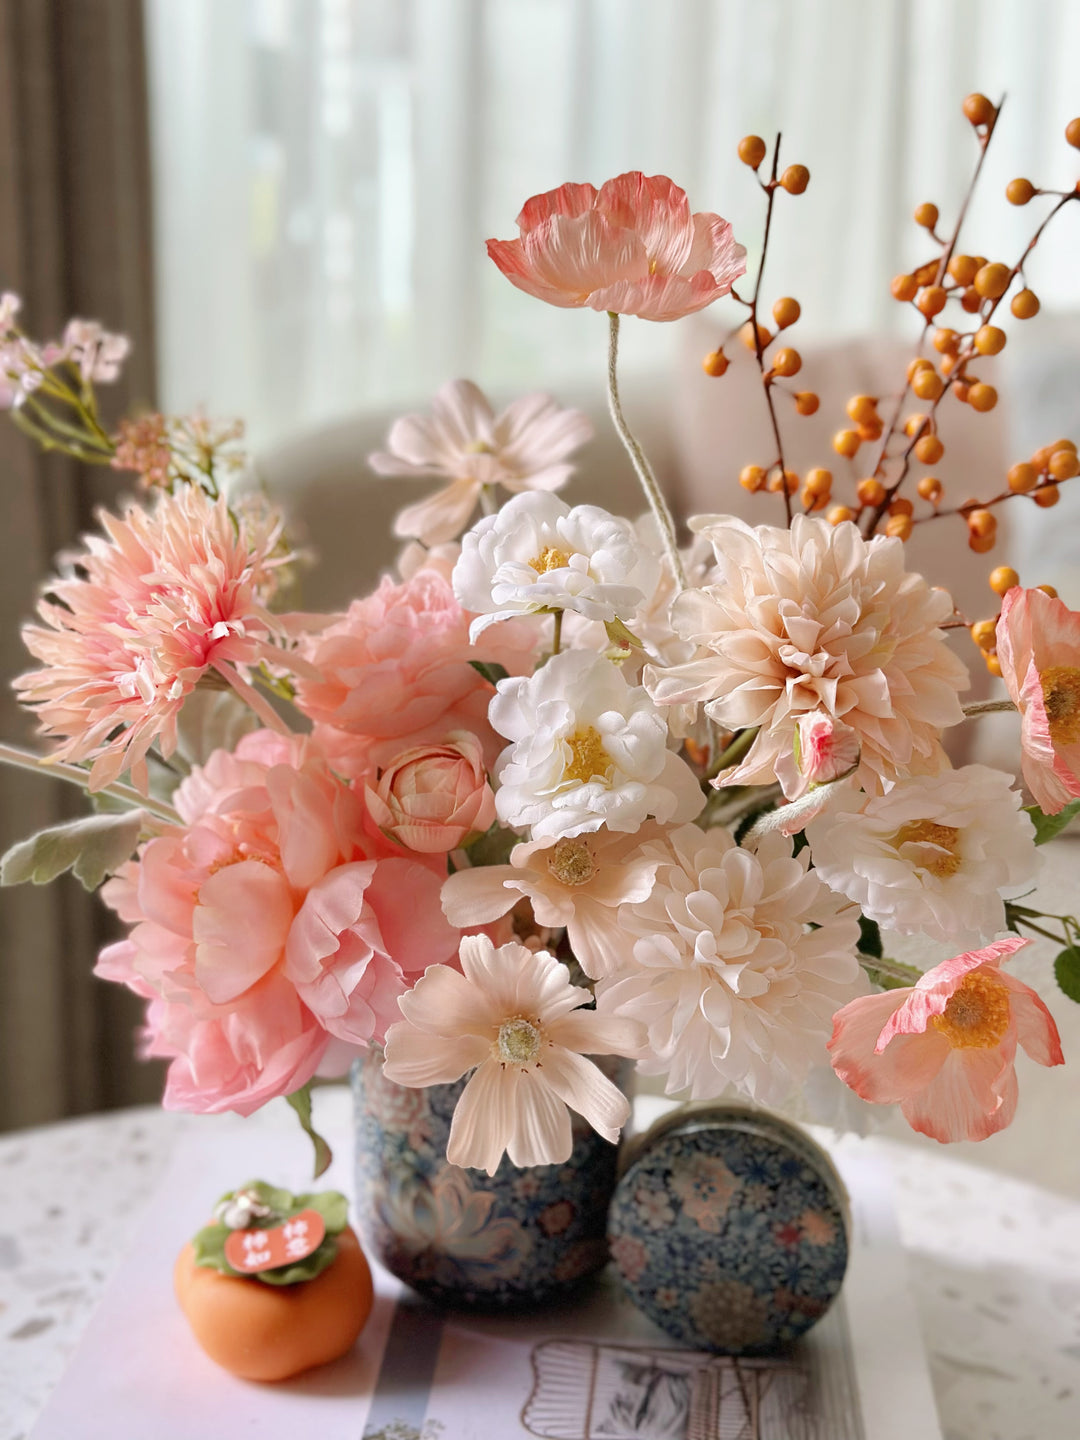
x,y
75,239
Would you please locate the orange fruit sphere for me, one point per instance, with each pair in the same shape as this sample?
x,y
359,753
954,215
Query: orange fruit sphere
x,y
984,633
272,1332
948,364
961,389
715,363
819,481
786,311
870,491
873,431
971,300
862,409
899,527
746,335
1003,579
846,442
1019,191
795,179
1048,590
1046,495
963,269
981,544
992,280
752,150
982,397
787,362
1025,304
1072,133
918,363
982,522
926,215
1063,465
946,341
904,287
928,450
927,384
806,402
1063,445
839,513
914,423
751,477
978,109
1022,477
931,301
989,340
900,506
993,664
930,488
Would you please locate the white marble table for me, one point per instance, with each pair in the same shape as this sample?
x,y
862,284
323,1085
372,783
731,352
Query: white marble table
x,y
995,1267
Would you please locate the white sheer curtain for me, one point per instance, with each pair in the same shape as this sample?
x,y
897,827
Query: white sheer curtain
x,y
326,171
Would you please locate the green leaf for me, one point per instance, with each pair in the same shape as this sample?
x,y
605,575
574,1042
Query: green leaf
x,y
621,636
300,1100
306,1269
209,1243
211,720
92,847
331,1205
490,670
889,974
1067,973
870,938
493,847
1047,826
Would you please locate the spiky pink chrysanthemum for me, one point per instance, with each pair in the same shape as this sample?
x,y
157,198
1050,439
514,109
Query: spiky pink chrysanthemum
x,y
133,622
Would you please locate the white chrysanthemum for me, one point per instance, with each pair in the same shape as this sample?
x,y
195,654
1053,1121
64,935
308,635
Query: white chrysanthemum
x,y
816,618
587,750
734,988
538,554
931,856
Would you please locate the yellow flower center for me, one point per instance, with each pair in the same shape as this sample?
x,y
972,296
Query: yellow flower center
x,y
550,559
571,861
1061,695
479,447
588,758
518,1042
940,856
977,1015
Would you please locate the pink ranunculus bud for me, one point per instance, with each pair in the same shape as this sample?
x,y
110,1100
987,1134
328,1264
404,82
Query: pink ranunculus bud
x,y
825,749
431,798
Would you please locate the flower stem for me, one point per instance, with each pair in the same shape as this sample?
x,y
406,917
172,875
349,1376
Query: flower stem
x,y
251,697
76,775
638,459
987,707
556,643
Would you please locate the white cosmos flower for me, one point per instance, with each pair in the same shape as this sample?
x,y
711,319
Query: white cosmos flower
x,y
513,1014
538,554
931,856
587,750
734,988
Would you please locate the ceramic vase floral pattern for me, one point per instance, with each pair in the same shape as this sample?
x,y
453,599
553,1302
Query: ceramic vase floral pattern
x,y
461,1236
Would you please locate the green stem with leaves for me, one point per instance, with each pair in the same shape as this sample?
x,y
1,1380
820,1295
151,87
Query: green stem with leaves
x,y
76,775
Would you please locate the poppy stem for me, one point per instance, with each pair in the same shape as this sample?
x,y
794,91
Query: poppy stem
x,y
638,459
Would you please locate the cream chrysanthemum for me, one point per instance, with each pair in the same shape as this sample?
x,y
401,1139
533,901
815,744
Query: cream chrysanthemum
x,y
816,618
932,856
734,988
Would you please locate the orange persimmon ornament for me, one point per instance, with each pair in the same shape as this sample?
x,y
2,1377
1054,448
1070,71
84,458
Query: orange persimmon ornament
x,y
262,1320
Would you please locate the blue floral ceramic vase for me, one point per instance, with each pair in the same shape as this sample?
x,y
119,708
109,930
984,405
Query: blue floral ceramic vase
x,y
462,1237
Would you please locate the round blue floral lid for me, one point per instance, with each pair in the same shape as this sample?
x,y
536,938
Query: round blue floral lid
x,y
730,1229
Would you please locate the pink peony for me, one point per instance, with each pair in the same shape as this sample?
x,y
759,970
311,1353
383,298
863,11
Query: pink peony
x,y
432,797
137,618
395,674
1038,647
632,247
272,921
943,1049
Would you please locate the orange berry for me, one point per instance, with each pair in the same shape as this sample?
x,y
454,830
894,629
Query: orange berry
x,y
978,109
715,363
806,402
989,340
810,501
984,633
915,365
1025,304
928,450
1072,133
746,335
819,481
899,526
993,664
971,300
839,513
1063,445
752,150
900,506
1003,579
963,269
946,342
904,287
1022,477
931,301
862,409
1063,465
1048,590
982,397
786,311
927,274
927,384
930,488
846,442
873,431
787,362
751,477
982,522
926,215
961,390
1019,192
1046,495
1041,458
914,423
981,544
795,179
778,480
870,491
992,280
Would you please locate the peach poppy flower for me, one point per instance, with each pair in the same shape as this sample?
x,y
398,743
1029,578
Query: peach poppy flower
x,y
943,1049
1038,648
632,247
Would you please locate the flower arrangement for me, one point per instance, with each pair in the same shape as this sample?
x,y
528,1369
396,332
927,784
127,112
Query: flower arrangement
x,y
559,787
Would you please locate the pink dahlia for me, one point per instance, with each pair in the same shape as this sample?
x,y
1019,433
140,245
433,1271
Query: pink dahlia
x,y
1038,646
632,247
137,618
944,1048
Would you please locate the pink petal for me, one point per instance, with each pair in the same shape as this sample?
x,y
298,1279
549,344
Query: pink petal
x,y
404,895
484,1118
477,896
906,1066
519,269
591,1033
569,199
1036,1030
972,1097
240,927
656,208
542,1133
932,992
442,516
586,1089
417,1057
444,1002
582,255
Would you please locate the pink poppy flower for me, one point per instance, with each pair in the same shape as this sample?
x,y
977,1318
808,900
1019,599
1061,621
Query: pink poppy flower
x,y
1038,647
943,1049
632,247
